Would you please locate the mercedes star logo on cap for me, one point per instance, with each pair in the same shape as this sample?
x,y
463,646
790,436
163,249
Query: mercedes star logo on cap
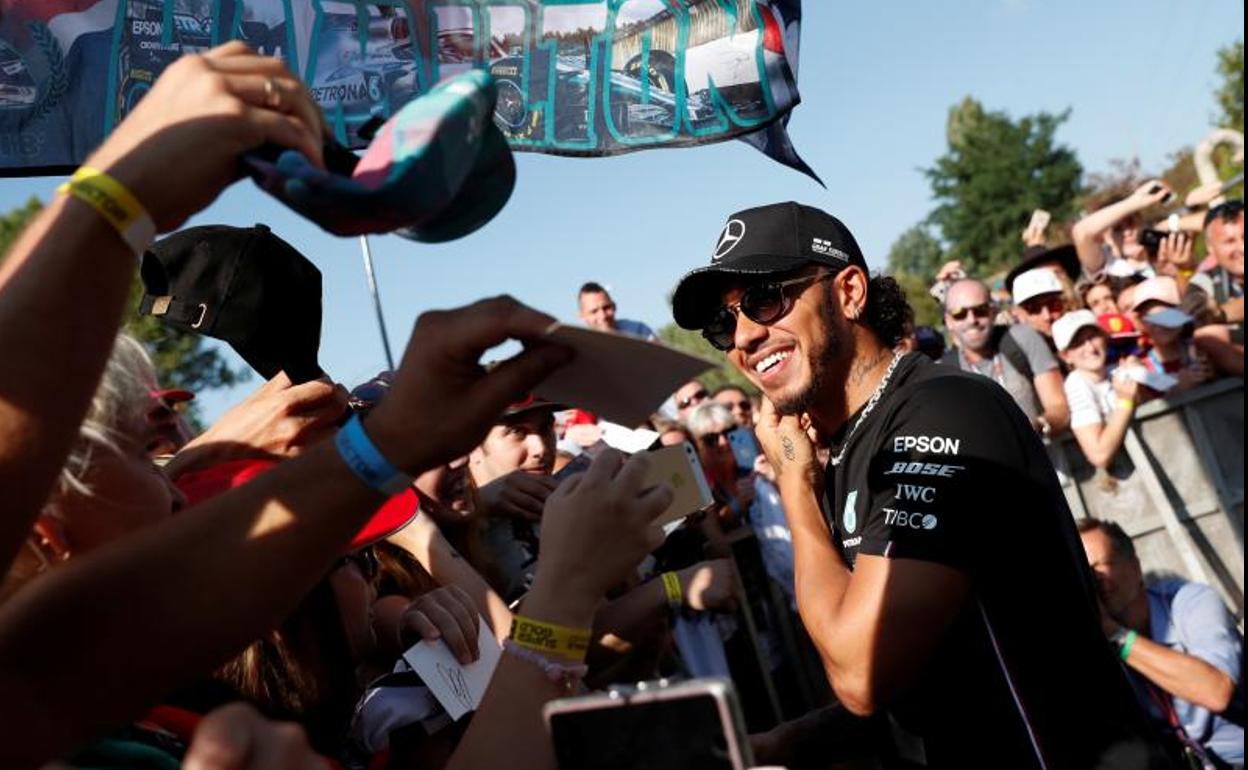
x,y
734,231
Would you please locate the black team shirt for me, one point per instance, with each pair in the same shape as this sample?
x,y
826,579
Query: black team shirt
x,y
947,469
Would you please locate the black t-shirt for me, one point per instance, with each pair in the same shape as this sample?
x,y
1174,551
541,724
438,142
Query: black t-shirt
x,y
947,469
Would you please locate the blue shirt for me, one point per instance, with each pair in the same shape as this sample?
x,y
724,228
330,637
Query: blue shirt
x,y
635,329
1190,618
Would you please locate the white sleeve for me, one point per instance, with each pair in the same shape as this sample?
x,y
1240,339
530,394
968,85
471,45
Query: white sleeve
x,y
1082,400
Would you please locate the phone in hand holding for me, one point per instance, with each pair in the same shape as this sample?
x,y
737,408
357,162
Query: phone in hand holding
x,y
1040,220
676,466
745,450
653,726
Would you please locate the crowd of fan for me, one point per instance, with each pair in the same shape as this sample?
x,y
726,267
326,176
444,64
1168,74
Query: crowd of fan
x,y
1082,334
167,614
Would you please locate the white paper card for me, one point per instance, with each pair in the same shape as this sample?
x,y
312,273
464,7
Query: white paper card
x,y
627,440
457,687
617,377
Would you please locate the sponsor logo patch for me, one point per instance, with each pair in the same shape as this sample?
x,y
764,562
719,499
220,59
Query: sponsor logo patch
x,y
937,445
916,494
850,517
894,517
924,469
732,235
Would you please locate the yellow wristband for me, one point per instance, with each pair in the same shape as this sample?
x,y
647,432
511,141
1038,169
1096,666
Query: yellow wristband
x,y
671,588
1126,403
540,636
115,203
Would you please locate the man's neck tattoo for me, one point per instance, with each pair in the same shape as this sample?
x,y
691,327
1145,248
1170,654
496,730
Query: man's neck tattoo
x,y
861,368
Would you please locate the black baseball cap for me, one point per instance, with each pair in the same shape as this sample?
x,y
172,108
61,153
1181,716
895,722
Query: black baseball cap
x,y
1035,256
779,238
244,286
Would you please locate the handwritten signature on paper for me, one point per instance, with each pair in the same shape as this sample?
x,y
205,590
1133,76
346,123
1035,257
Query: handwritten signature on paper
x,y
454,679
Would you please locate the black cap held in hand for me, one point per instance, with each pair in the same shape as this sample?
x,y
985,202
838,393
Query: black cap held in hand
x,y
770,239
244,286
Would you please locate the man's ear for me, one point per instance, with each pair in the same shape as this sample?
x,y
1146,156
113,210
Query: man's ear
x,y
851,291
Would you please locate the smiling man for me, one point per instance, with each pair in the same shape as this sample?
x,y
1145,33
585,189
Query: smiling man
x,y
942,581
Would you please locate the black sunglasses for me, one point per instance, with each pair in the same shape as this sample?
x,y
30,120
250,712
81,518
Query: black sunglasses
x,y
711,440
980,311
365,560
692,399
763,303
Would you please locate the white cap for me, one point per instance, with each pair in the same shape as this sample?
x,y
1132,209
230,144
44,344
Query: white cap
x,y
1034,282
1065,328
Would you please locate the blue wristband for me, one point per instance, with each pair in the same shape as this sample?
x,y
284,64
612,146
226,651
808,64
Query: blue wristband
x,y
361,455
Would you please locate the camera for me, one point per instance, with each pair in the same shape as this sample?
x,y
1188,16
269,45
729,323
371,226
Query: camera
x,y
660,725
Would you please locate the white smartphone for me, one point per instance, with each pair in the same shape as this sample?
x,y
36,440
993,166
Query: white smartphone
x,y
1040,220
652,726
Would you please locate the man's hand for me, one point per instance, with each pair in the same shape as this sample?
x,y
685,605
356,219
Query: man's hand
x,y
1151,193
278,421
237,737
443,402
597,527
517,495
710,586
787,445
1125,386
180,145
446,613
950,271
1175,251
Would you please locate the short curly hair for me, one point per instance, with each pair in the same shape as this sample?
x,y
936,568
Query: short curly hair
x,y
888,314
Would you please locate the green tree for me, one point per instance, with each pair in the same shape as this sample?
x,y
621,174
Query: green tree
x,y
995,172
916,251
914,259
1230,93
693,342
181,360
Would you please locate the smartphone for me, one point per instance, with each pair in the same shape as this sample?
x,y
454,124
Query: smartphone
x,y
1166,201
691,725
745,449
1040,220
677,466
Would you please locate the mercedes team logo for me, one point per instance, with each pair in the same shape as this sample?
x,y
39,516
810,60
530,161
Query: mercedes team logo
x,y
734,231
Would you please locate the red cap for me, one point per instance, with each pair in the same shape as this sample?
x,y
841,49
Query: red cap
x,y
173,395
393,515
582,417
1117,325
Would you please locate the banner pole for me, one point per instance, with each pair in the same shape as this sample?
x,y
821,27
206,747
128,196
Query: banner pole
x,y
372,289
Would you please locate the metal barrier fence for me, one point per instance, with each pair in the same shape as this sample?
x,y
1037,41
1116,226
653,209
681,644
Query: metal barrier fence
x,y
1177,486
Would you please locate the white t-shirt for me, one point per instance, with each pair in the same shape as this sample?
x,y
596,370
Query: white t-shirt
x,y
1090,402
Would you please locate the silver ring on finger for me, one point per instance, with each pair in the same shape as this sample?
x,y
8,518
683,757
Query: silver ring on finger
x,y
272,94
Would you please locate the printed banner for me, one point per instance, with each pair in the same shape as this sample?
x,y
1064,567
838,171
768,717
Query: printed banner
x,y
574,78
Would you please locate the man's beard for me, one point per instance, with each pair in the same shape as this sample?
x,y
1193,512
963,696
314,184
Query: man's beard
x,y
823,361
984,347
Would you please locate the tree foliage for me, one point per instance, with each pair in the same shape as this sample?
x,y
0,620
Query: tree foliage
x,y
914,259
1230,93
181,360
995,172
916,251
692,342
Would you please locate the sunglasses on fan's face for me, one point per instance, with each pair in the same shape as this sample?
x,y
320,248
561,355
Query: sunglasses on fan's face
x,y
1052,302
365,560
693,399
763,303
979,311
711,440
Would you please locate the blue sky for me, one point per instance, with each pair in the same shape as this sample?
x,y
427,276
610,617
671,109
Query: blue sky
x,y
877,82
